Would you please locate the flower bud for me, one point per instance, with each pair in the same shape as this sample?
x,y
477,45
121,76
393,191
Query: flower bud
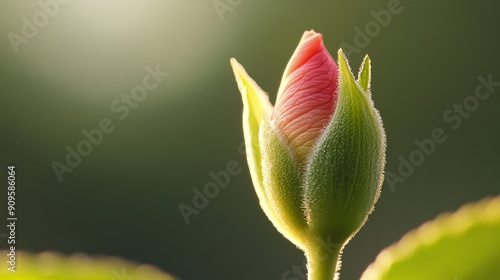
x,y
316,158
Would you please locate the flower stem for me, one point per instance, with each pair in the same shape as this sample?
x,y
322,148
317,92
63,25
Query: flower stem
x,y
323,264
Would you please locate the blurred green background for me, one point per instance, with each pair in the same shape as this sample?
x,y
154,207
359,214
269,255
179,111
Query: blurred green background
x,y
123,198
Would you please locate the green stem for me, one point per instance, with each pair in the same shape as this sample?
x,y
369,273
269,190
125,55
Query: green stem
x,y
322,264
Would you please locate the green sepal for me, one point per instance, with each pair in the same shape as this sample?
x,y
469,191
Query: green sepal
x,y
256,112
364,75
345,170
283,184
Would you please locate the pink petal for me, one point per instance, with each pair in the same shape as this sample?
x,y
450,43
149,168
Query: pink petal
x,y
307,95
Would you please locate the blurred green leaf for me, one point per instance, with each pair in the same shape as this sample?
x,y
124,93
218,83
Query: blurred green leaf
x,y
54,266
460,246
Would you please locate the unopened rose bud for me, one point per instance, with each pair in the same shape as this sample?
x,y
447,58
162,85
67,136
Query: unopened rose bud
x,y
316,158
